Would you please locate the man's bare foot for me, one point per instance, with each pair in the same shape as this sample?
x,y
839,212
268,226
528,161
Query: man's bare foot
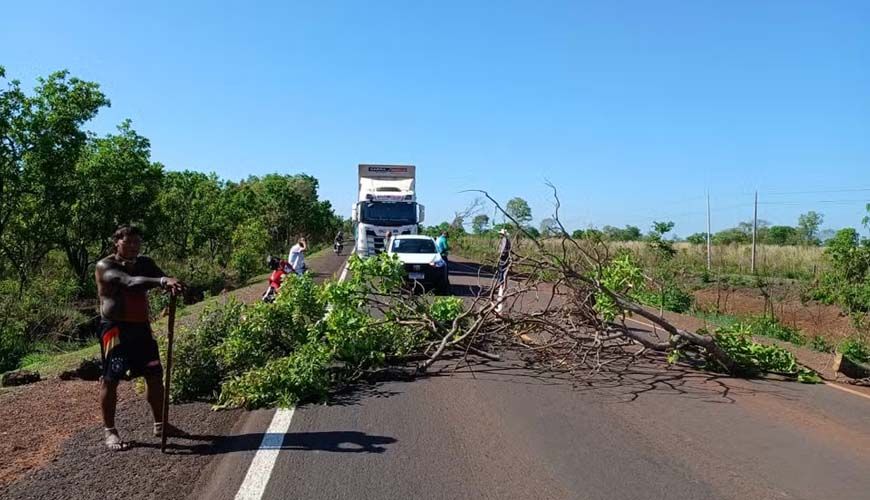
x,y
113,440
171,430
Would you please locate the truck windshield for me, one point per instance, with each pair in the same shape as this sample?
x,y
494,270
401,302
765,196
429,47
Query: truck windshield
x,y
388,214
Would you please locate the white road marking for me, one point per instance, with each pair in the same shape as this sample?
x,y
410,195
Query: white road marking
x,y
257,478
846,389
642,323
344,271
261,467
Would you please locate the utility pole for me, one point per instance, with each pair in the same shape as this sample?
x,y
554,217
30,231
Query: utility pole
x,y
754,230
709,258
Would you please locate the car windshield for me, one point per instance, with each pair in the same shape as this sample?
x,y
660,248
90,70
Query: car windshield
x,y
413,246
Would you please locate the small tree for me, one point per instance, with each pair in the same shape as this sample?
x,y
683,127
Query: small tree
x,y
808,226
250,242
519,209
782,235
480,223
697,238
657,239
550,227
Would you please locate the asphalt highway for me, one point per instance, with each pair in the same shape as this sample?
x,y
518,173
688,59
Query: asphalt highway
x,y
502,430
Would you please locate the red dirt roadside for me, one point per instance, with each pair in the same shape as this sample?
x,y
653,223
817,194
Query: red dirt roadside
x,y
53,421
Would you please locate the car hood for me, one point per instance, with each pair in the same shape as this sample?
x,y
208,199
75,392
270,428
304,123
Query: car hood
x,y
417,258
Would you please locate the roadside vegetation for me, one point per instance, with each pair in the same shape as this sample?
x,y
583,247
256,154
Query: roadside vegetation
x,y
64,190
314,338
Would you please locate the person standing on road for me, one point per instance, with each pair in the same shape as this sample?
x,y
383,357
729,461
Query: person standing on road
x,y
388,241
126,342
442,246
504,261
504,255
297,256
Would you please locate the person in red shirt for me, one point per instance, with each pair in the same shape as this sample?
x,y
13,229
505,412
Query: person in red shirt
x,y
126,341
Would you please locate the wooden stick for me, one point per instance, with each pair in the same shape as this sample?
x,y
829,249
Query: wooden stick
x,y
171,334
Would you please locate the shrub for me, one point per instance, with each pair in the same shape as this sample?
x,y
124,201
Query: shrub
x,y
446,309
856,348
250,242
753,358
13,344
267,331
282,382
199,375
768,326
671,297
45,310
821,344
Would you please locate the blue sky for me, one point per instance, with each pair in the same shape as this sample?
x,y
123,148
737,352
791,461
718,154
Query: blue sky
x,y
633,109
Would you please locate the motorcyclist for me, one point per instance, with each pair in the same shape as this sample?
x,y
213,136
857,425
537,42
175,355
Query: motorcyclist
x,y
338,242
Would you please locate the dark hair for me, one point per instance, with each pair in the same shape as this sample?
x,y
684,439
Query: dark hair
x,y
125,231
273,262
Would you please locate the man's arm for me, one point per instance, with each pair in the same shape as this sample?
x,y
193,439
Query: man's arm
x,y
150,268
122,279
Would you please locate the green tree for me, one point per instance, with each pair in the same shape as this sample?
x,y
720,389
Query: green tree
x,y
629,233
114,183
193,216
578,234
250,243
550,228
42,139
480,223
14,141
808,227
697,238
782,235
519,209
457,227
731,235
656,239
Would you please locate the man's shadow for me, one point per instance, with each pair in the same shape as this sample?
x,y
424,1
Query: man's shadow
x,y
332,441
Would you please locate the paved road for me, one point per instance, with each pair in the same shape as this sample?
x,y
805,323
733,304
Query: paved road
x,y
499,430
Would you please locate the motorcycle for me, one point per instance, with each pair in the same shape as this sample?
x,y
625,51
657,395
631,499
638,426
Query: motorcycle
x,y
280,269
337,247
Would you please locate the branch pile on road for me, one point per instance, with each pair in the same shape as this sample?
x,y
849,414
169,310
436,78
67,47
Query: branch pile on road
x,y
569,311
582,325
316,338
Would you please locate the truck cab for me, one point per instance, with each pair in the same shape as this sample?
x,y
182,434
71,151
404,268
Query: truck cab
x,y
387,203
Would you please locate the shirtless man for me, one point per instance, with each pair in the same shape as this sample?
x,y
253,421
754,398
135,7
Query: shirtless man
x,y
126,342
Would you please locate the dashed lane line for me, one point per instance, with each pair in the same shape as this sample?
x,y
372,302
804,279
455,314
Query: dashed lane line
x,y
257,478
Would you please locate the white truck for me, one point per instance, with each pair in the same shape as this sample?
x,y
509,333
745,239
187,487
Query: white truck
x,y
387,202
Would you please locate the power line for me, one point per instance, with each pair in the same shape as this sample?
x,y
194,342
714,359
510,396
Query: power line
x,y
783,193
807,202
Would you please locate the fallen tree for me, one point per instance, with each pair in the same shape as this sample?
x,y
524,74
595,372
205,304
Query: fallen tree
x,y
583,323
568,307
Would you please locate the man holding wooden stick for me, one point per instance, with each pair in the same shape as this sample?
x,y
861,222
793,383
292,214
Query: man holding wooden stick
x,y
126,341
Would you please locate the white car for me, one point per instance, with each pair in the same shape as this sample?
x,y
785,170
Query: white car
x,y
422,263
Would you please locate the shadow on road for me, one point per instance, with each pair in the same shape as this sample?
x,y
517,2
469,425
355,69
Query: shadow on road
x,y
625,383
331,441
473,270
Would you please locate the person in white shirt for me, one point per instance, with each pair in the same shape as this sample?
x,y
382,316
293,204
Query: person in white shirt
x,y
297,256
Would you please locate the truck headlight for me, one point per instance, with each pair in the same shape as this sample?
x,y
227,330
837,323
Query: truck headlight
x,y
437,263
